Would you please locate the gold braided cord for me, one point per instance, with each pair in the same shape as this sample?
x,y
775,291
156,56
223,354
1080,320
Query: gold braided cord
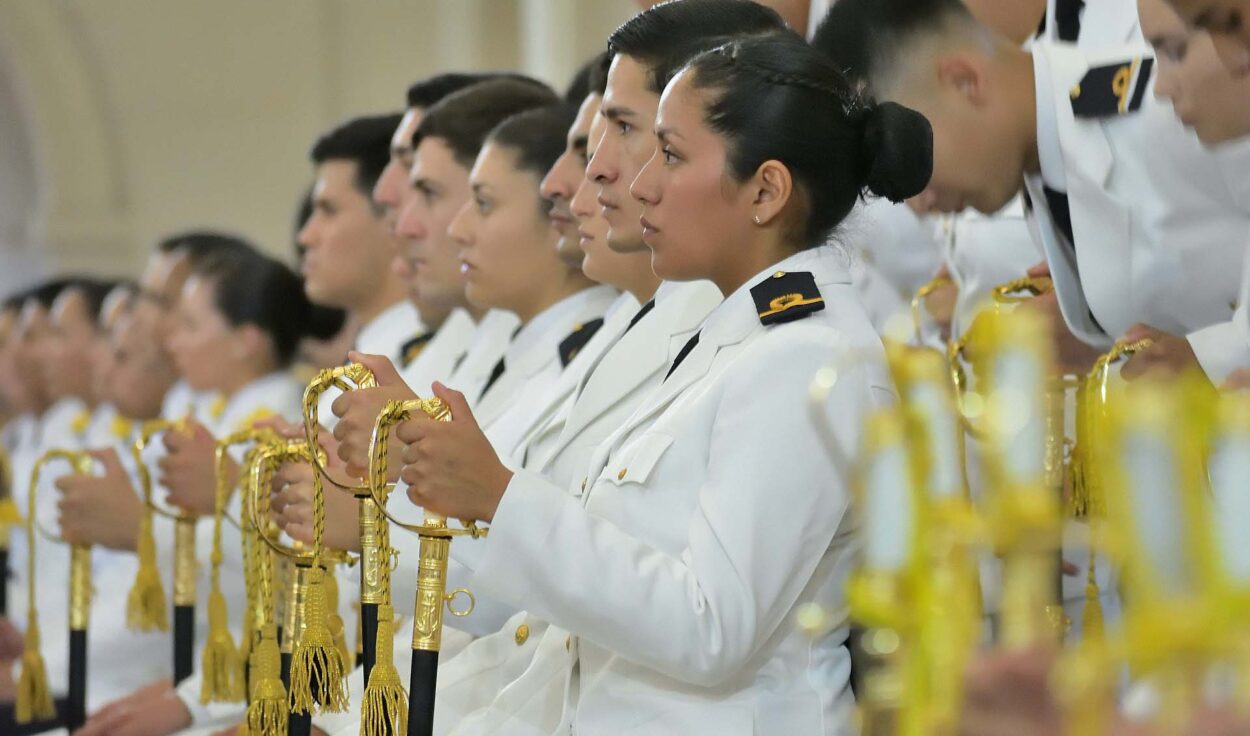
x,y
221,661
34,697
267,712
384,706
146,608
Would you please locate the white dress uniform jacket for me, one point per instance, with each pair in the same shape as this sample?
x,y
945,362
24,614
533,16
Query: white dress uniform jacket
x,y
619,377
1159,221
532,361
438,358
277,394
708,517
385,335
491,338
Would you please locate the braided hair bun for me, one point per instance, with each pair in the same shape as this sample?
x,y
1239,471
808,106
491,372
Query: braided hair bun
x,y
898,151
775,98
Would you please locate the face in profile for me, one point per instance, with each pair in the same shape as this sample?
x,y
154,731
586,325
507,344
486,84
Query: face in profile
x,y
625,147
67,348
592,229
31,347
142,372
392,186
103,356
693,210
439,189
1228,23
1205,95
507,246
348,244
203,344
565,178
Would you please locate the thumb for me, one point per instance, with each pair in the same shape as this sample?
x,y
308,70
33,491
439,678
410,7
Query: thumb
x,y
384,371
456,402
1040,269
1137,332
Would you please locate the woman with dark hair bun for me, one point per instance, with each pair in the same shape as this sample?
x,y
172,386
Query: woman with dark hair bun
x,y
678,564
236,329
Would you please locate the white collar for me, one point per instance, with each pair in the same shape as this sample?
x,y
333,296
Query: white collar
x,y
1049,149
551,325
275,394
386,333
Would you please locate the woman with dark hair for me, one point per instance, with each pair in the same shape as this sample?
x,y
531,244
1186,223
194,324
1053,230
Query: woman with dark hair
x,y
678,563
510,262
236,330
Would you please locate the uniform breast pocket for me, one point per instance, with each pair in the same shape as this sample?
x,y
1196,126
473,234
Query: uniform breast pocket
x,y
636,462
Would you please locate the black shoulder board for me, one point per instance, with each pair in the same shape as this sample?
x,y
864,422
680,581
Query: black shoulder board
x,y
784,297
1114,89
413,347
577,339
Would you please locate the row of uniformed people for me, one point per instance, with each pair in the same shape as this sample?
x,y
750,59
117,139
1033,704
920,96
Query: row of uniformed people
x,y
704,372
645,155
633,424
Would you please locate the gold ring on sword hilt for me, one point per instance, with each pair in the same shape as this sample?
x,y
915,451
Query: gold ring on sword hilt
x,y
267,462
434,526
82,464
337,377
147,432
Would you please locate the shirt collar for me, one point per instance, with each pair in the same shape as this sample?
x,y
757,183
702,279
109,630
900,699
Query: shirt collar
x,y
386,333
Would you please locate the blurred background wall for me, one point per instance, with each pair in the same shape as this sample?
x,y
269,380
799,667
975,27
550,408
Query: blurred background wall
x,y
122,120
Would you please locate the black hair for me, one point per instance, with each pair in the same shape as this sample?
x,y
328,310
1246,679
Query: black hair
x,y
252,288
366,141
94,292
598,80
667,35
777,98
865,37
591,77
430,91
536,135
465,118
200,244
324,321
46,292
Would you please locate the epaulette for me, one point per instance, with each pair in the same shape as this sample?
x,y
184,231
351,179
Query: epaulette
x,y
577,339
785,297
1114,89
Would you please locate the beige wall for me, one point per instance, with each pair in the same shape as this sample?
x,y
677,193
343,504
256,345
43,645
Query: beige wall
x,y
145,116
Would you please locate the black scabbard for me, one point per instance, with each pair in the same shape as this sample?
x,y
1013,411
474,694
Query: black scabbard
x,y
369,637
76,702
4,581
184,642
422,683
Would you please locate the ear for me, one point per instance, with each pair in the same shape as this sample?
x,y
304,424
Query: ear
x,y
252,340
964,74
770,190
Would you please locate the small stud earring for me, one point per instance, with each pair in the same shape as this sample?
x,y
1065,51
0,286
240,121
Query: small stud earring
x,y
757,220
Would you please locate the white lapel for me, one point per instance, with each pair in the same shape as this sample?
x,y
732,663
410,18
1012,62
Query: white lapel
x,y
649,347
1062,262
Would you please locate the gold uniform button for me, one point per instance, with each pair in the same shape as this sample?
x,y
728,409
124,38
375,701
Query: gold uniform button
x,y
584,483
522,634
621,475
568,643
